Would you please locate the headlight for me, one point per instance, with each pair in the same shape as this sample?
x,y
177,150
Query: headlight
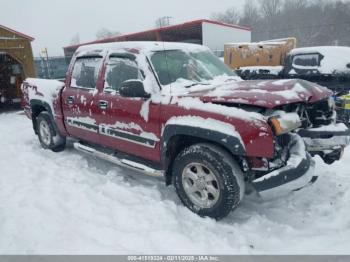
x,y
285,123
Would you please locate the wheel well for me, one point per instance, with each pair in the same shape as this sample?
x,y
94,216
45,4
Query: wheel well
x,y
36,110
178,143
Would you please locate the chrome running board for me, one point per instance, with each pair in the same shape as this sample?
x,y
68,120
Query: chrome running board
x,y
118,161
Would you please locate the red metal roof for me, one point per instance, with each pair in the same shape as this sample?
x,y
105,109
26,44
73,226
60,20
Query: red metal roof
x,y
157,30
17,33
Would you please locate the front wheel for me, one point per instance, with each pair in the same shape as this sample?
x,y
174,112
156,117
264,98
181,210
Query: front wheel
x,y
48,137
208,180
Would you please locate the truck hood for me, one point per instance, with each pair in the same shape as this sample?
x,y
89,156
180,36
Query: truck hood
x,y
262,93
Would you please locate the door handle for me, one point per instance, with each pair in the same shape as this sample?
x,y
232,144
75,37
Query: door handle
x,y
70,100
103,104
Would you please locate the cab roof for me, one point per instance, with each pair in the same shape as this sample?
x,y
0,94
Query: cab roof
x,y
135,47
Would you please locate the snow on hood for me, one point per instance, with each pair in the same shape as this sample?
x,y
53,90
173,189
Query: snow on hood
x,y
266,93
336,58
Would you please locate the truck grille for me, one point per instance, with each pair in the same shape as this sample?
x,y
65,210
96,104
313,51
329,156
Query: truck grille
x,y
320,113
312,115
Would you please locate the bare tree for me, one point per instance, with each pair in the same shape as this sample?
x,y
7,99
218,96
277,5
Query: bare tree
x,y
250,16
105,33
294,5
312,22
250,10
270,8
271,11
230,16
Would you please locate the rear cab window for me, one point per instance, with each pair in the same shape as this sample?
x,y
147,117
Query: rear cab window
x,y
306,61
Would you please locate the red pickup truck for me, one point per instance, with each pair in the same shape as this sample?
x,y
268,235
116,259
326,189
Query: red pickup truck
x,y
175,110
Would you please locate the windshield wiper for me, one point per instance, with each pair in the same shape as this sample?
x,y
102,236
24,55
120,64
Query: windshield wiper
x,y
196,84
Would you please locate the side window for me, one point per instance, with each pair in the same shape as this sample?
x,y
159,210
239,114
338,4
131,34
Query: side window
x,y
120,69
85,72
306,61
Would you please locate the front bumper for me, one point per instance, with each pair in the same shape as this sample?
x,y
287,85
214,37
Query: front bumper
x,y
326,138
297,165
327,141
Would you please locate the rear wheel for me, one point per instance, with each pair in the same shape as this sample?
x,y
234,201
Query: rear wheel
x,y
48,137
208,180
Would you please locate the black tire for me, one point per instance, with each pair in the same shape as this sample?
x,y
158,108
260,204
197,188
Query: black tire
x,y
229,179
330,158
49,139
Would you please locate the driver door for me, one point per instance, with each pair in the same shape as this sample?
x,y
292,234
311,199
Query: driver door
x,y
129,125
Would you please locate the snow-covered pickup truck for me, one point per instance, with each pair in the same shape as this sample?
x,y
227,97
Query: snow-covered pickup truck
x,y
175,110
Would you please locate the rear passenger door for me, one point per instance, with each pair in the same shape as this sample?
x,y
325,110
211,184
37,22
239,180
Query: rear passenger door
x,y
79,105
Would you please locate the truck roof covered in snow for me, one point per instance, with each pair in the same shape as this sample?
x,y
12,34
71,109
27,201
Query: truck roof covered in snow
x,y
336,59
145,46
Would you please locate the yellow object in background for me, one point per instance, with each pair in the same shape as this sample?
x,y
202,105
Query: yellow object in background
x,y
264,53
346,101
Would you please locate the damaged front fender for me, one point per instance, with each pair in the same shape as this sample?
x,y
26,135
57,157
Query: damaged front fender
x,y
297,165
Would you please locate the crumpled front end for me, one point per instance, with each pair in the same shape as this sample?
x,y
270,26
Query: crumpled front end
x,y
300,134
295,161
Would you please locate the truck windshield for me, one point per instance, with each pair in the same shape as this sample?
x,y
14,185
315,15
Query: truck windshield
x,y
176,65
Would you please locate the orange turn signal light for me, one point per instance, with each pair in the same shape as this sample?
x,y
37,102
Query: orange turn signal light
x,y
276,126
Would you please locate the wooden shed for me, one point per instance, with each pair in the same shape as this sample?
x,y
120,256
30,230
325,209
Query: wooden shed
x,y
16,64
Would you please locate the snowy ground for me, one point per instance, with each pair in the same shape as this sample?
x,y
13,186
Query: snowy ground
x,y
70,203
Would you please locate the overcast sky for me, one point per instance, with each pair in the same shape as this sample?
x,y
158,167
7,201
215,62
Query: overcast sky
x,y
54,23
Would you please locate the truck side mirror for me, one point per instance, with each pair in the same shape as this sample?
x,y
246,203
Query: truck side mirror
x,y
133,88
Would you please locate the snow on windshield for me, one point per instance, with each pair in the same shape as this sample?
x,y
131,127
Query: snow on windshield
x,y
180,68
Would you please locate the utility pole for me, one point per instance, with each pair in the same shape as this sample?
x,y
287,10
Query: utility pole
x,y
45,59
163,21
168,20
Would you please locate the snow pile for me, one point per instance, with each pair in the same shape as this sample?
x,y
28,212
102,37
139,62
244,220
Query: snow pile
x,y
70,203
